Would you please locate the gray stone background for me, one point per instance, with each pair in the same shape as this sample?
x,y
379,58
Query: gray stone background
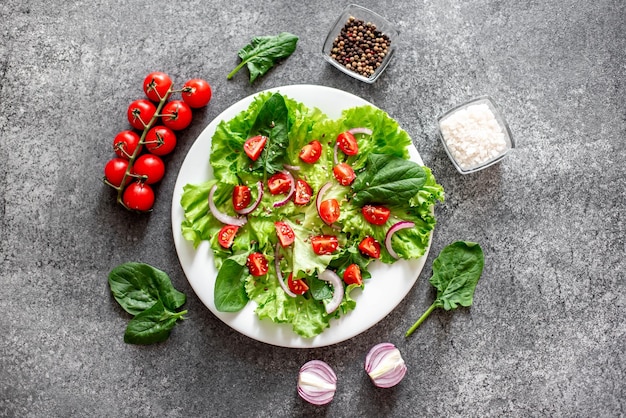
x,y
546,334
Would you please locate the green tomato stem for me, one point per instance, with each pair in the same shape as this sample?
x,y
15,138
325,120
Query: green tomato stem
x,y
419,321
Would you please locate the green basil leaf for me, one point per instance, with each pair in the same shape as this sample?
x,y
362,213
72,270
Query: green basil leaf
x,y
138,286
456,272
229,291
152,325
272,122
389,180
263,52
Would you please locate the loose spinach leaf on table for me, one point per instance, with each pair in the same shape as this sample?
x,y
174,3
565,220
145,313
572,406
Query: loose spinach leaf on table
x,y
229,292
272,122
152,325
263,52
456,272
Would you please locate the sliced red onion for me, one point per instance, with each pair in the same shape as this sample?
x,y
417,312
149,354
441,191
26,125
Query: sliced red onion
x,y
292,189
385,365
222,217
332,278
335,158
279,273
366,131
320,195
292,167
317,382
254,205
395,228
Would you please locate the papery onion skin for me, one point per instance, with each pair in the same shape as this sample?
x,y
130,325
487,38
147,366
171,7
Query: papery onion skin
x,y
255,204
385,366
366,131
317,382
395,228
222,217
279,273
332,278
291,190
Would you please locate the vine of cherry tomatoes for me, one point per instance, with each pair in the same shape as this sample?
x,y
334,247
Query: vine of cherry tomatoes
x,y
153,121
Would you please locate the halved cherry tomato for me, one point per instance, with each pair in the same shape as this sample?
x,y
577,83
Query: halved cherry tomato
x,y
285,234
311,152
257,264
140,113
369,246
241,197
176,115
297,286
376,215
344,174
352,275
156,86
226,236
347,143
125,143
329,210
324,244
279,183
254,146
303,193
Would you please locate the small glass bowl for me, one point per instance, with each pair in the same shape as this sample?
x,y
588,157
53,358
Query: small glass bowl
x,y
382,25
467,131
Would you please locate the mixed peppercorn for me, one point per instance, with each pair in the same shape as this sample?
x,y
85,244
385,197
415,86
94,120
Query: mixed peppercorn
x,y
360,47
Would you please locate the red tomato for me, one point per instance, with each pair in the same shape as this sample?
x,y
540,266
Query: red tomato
x,y
176,115
114,171
329,210
303,193
324,244
226,236
138,196
347,143
352,275
125,143
344,174
196,93
241,197
279,183
160,140
140,113
376,215
257,264
254,146
369,246
285,234
157,85
150,166
297,286
311,152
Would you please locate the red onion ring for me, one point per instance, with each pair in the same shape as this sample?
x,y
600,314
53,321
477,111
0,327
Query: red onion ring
x,y
254,205
332,278
385,365
395,228
222,217
366,131
279,273
320,194
317,382
292,190
292,167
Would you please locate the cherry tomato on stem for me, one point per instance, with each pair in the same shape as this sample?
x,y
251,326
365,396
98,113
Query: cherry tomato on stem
x,y
138,196
125,143
114,171
157,86
140,113
196,93
150,166
160,140
176,115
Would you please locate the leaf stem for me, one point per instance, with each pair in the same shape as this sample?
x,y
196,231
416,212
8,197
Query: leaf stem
x,y
237,68
419,321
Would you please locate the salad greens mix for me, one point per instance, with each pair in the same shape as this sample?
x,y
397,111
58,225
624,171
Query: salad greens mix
x,y
253,256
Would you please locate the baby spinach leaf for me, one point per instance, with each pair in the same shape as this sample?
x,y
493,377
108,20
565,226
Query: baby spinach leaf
x,y
152,325
229,291
263,52
272,122
456,272
388,179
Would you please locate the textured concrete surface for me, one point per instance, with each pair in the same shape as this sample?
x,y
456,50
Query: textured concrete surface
x,y
546,335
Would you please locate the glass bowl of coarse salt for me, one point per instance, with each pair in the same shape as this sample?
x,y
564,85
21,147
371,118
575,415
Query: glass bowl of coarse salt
x,y
475,135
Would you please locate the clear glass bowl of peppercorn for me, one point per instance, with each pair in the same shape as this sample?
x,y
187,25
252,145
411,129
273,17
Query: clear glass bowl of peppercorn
x,y
360,43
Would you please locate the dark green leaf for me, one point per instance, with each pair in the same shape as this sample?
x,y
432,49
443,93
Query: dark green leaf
x,y
152,325
319,289
389,180
229,291
272,122
137,286
263,52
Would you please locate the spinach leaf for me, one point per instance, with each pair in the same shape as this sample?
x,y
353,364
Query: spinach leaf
x,y
263,52
388,179
456,272
272,122
152,325
229,290
137,286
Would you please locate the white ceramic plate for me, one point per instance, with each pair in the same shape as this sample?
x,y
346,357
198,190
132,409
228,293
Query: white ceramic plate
x,y
383,292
